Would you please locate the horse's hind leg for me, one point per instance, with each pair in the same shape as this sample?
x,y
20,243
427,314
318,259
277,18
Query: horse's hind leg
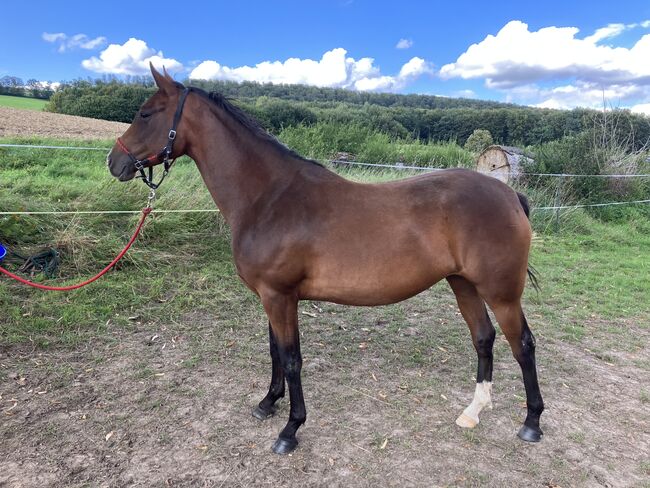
x,y
472,307
514,326
266,407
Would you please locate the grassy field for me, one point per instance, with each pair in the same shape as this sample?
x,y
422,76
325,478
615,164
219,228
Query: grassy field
x,y
22,102
172,338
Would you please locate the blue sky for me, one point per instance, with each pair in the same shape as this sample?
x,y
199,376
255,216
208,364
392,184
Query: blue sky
x,y
554,53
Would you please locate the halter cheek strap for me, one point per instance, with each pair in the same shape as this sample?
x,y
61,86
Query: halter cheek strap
x,y
164,156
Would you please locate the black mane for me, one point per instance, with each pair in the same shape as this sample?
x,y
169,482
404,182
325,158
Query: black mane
x,y
249,123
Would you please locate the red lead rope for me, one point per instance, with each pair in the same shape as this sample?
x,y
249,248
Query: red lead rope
x,y
145,211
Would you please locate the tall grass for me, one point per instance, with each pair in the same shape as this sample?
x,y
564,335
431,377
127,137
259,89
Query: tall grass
x,y
325,140
603,149
69,180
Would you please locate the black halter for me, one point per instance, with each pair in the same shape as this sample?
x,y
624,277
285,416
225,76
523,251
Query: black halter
x,y
164,155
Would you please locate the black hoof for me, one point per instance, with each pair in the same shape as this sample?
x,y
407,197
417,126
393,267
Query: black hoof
x,y
530,434
261,414
284,446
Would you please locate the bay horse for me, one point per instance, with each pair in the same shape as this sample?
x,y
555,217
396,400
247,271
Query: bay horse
x,y
302,232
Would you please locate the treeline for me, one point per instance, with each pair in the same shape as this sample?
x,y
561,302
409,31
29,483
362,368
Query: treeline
x,y
425,117
14,86
314,94
422,117
100,99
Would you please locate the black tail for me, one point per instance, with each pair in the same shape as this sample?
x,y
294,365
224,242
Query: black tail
x,y
524,203
533,275
533,278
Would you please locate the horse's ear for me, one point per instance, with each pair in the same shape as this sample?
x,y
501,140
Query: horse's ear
x,y
167,75
165,83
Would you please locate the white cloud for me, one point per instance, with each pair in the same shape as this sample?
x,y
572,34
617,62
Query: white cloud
x,y
53,85
645,24
415,67
642,108
464,94
130,58
578,94
59,36
516,56
611,30
67,43
404,44
92,43
334,69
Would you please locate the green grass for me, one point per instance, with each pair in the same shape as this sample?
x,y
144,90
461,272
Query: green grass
x,y
605,271
325,139
590,270
22,102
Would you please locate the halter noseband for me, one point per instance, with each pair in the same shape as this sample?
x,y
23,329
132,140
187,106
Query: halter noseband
x,y
164,155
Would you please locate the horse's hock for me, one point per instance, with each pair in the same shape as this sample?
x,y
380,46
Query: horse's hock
x,y
502,162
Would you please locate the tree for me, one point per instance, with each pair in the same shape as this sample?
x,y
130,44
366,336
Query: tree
x,y
478,140
33,88
11,85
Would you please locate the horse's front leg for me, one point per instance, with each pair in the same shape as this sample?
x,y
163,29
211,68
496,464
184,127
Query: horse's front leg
x,y
282,310
266,407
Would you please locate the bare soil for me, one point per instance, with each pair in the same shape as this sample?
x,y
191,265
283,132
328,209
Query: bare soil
x,y
168,404
16,122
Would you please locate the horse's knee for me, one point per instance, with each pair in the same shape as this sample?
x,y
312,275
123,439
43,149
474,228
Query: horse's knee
x,y
484,341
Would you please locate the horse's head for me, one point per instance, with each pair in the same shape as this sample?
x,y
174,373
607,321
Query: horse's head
x,y
145,141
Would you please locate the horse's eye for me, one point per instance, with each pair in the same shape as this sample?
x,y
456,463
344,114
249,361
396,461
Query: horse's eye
x,y
145,115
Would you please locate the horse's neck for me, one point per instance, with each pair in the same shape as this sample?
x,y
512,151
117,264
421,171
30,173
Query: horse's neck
x,y
237,167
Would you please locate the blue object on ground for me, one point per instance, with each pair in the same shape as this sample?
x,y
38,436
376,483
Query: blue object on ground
x,y
3,252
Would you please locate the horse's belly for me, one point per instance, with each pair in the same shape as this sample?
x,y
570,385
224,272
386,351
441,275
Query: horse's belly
x,y
364,282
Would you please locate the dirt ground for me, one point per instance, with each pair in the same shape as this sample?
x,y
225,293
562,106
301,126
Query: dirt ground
x,y
16,122
168,404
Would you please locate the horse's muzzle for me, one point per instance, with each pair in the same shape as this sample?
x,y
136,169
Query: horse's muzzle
x,y
122,170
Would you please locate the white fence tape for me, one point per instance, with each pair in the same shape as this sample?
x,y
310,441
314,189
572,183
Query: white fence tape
x,y
101,212
356,163
429,168
606,204
80,148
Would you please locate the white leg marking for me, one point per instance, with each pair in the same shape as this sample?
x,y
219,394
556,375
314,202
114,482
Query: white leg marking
x,y
482,399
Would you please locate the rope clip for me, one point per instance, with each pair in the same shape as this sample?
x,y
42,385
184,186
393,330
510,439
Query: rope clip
x,y
151,198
